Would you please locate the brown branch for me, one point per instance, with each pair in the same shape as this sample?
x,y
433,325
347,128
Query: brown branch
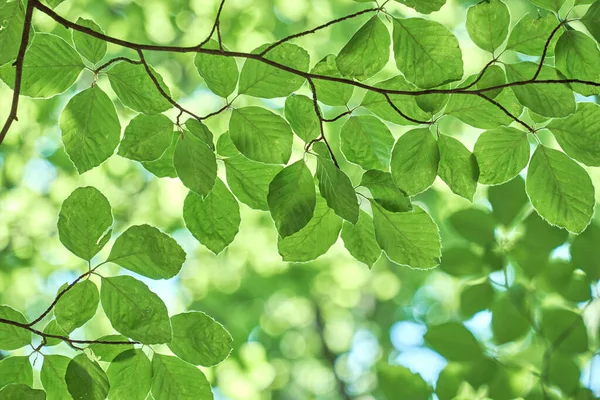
x,y
501,107
416,121
342,115
215,27
114,60
321,127
546,46
18,64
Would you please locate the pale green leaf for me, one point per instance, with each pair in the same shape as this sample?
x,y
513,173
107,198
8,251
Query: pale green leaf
x,y
12,15
331,93
424,6
487,24
396,382
553,5
16,369
12,337
77,306
92,48
359,239
200,131
225,146
52,376
337,189
368,142
300,113
458,167
385,192
86,380
53,328
530,34
196,164
249,180
147,137
174,379
130,376
501,154
493,76
577,57
163,167
106,351
219,72
480,113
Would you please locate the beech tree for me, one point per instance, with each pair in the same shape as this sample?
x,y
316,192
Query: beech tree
x,y
345,144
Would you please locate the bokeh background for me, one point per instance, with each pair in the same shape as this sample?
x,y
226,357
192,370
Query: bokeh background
x,y
301,331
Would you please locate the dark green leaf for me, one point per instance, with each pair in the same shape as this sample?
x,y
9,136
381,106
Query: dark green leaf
x,y
510,320
385,192
77,306
454,342
163,167
52,376
13,337
368,142
249,180
219,72
504,211
359,239
564,373
474,225
565,329
396,382
591,20
147,137
501,154
175,379
585,251
300,113
487,24
461,261
458,167
19,391
92,48
130,376
337,189
86,380
475,297
196,164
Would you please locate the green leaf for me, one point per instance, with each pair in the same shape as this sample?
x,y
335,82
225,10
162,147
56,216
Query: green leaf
x,y
53,328
454,342
163,167
86,379
378,104
565,329
396,382
458,167
175,379
16,369
474,225
579,134
461,261
92,48
147,251
426,52
45,76
84,222
130,376
135,88
262,80
385,192
200,131
367,52
225,146
493,76
408,238
553,5
367,141
52,376
487,24
135,311
585,251
199,339
530,34
476,297
90,128
292,198
213,220
564,373
77,306
510,320
415,160
12,15
504,211
12,337
591,20
501,154
331,93
577,57
314,239
219,72
196,164
147,137
249,180
424,6
261,135
107,352
480,113
560,190
19,391
54,3
300,113
359,239
550,99
337,189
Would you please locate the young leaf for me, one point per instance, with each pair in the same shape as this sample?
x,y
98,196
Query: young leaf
x,y
426,52
19,391
331,93
220,73
107,352
530,34
77,306
359,239
147,251
368,142
163,167
262,80
474,225
560,190
173,378
300,113
557,321
579,134
130,376
509,317
337,189
90,128
504,211
147,137
92,48
213,220
367,52
86,379
385,192
454,342
396,381
135,88
16,369
12,337
199,339
591,20
415,160
45,76
249,180
487,24
458,167
549,100
12,14
52,376
501,154
134,310
408,238
314,239
261,135
292,198
577,57
196,164
84,222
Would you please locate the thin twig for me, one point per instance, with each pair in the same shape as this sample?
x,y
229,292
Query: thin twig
x,y
321,127
215,26
114,60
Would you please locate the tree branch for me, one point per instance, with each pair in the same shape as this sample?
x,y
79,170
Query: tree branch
x,y
321,127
